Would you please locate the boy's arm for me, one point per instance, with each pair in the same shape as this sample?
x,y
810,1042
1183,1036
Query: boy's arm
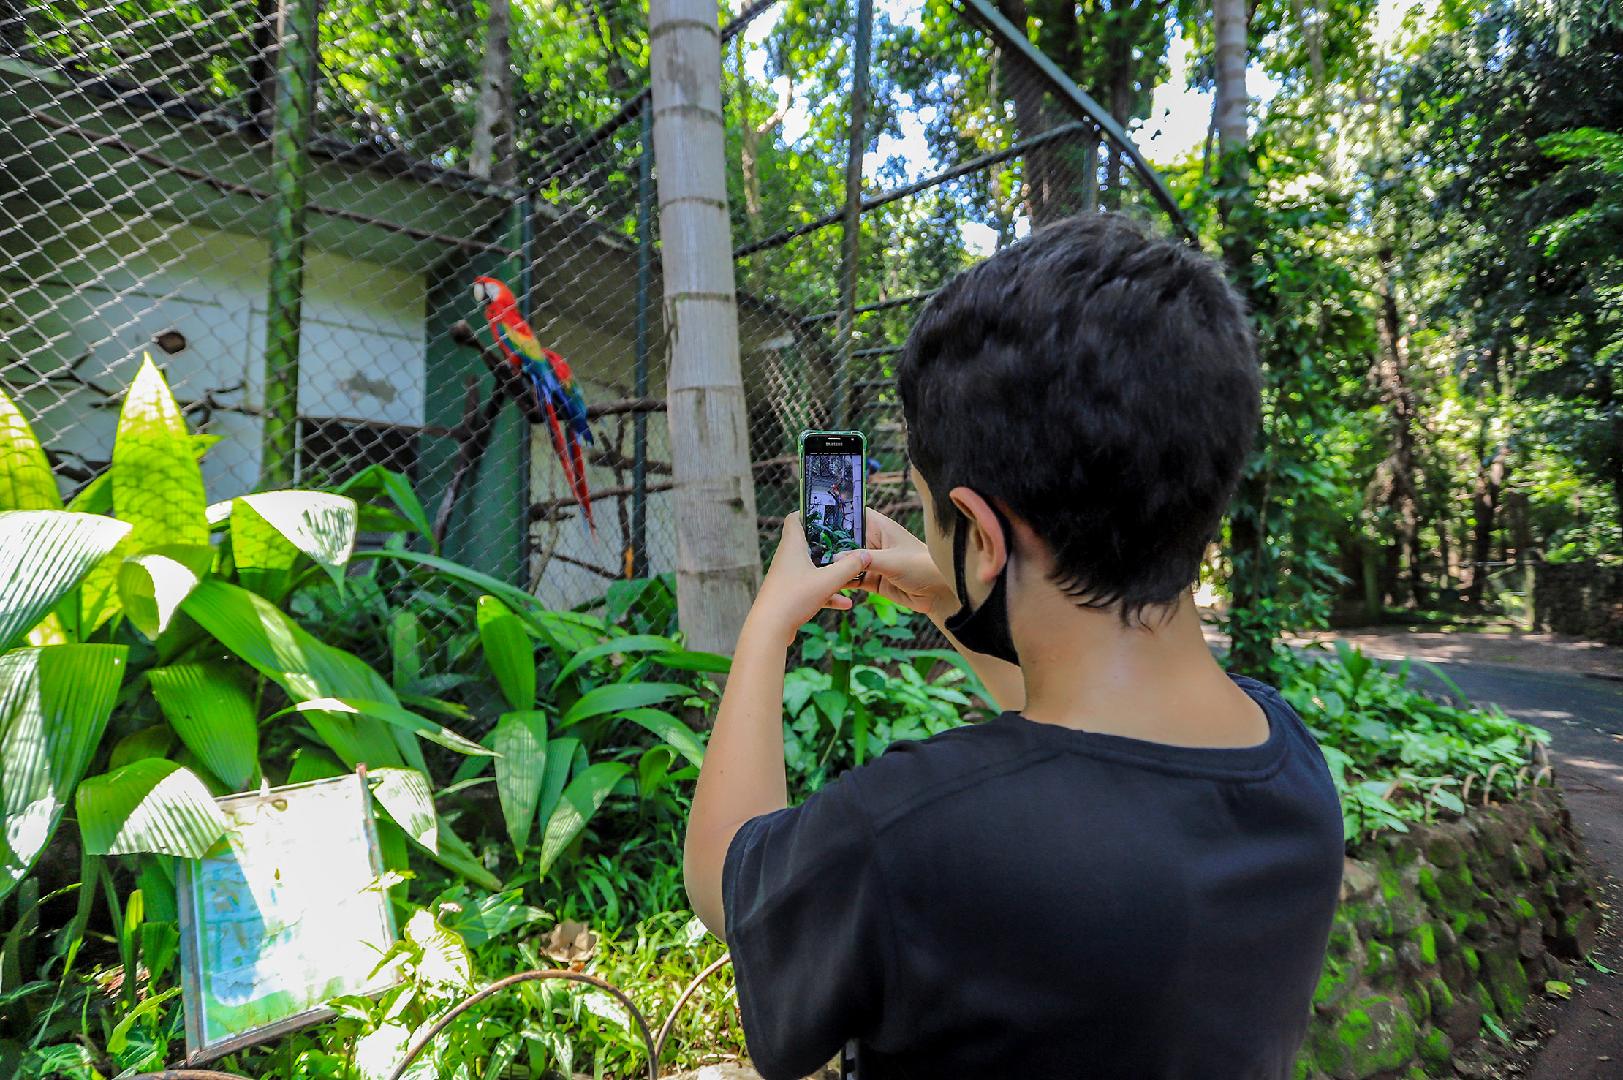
x,y
743,773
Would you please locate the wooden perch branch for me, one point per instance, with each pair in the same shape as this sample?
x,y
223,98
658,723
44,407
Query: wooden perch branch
x,y
547,510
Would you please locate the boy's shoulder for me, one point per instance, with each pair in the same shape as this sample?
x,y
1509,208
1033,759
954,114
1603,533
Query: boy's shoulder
x,y
913,773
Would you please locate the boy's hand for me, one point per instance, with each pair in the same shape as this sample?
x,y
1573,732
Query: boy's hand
x,y
902,570
795,588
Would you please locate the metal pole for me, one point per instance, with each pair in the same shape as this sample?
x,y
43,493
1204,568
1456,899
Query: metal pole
x,y
851,248
290,166
639,422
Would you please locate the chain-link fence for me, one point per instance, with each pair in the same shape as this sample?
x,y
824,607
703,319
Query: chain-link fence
x,y
286,202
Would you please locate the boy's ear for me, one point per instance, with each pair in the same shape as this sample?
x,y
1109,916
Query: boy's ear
x,y
987,540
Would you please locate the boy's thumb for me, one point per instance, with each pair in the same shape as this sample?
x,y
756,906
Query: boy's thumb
x,y
850,565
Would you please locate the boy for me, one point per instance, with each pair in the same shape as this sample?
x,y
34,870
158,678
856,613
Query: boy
x,y
1131,873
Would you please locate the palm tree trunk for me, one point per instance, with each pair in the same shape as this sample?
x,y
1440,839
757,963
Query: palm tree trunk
x,y
718,558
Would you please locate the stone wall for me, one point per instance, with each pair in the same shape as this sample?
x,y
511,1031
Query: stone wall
x,y
1584,599
1441,927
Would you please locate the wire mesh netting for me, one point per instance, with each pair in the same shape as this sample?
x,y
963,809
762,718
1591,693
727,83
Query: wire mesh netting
x,y
147,151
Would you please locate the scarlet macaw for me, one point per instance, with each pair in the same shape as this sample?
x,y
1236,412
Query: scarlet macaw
x,y
549,374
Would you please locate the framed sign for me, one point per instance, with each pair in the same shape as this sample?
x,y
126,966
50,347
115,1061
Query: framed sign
x,y
284,913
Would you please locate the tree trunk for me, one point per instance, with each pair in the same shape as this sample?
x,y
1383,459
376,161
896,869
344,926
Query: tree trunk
x,y
1044,170
1490,482
718,558
492,156
1252,628
1394,379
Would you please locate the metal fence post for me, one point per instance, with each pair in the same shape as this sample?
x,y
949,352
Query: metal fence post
x,y
639,420
851,246
297,48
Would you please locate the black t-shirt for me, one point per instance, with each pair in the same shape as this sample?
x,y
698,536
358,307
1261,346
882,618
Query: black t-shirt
x,y
1025,900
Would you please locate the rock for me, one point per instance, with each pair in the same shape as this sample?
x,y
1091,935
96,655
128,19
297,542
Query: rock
x,y
1436,1047
1463,1020
1530,942
1375,1034
1577,937
1358,880
1447,942
1506,980
720,1072
1494,836
1442,849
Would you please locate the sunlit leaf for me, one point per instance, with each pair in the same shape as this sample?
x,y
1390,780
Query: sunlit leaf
x,y
670,729
270,529
151,585
43,555
521,743
580,802
148,806
407,797
54,704
26,480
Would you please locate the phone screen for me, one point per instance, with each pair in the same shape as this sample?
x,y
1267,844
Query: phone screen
x,y
834,471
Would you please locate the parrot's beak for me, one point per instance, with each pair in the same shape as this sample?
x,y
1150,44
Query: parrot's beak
x,y
479,292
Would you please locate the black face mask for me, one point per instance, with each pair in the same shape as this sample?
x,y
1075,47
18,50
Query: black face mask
x,y
986,628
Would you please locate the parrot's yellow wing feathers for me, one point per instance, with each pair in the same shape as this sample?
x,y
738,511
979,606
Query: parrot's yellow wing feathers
x,y
521,339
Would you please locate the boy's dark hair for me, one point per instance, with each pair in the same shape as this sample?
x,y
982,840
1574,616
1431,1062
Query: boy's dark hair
x,y
1100,383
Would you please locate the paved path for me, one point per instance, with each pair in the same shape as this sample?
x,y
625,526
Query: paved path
x,y
1584,716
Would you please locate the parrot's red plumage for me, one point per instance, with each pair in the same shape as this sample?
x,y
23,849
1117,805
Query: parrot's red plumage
x,y
549,375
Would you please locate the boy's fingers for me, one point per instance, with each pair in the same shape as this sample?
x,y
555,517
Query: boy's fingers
x,y
885,562
848,567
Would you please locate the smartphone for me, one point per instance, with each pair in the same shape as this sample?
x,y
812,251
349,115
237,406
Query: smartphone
x,y
833,491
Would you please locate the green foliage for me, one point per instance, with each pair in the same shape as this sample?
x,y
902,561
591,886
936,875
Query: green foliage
x,y
1398,755
864,686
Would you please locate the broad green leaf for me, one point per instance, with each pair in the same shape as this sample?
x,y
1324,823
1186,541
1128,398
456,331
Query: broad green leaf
x,y
43,555
311,764
214,716
151,585
671,730
580,801
146,742
270,529
148,805
508,651
274,645
96,497
406,796
620,646
305,668
392,712
157,484
521,745
560,758
26,480
694,660
618,697
54,704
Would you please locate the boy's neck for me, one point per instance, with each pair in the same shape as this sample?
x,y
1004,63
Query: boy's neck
x,y
1084,669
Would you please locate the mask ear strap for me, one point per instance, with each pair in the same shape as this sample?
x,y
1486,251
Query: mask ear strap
x,y
960,538
960,543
